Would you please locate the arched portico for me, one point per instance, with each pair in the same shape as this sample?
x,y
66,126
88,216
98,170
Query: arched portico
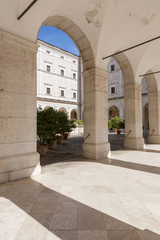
x,y
18,136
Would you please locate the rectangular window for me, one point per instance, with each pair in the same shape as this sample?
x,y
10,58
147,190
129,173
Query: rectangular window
x,y
62,72
62,93
47,51
48,68
112,68
74,95
48,90
113,90
74,75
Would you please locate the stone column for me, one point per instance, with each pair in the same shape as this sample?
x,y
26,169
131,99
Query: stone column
x,y
96,145
18,153
154,117
133,117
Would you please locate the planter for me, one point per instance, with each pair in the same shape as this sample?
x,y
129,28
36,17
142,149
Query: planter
x,y
42,149
59,139
52,144
118,131
65,136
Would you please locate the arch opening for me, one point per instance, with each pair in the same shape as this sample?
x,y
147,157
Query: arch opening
x,y
113,112
77,35
74,114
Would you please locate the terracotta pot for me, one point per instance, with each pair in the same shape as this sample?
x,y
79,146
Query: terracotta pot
x,y
52,144
118,131
59,139
65,136
42,149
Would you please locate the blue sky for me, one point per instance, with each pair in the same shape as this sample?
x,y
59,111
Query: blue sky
x,y
57,38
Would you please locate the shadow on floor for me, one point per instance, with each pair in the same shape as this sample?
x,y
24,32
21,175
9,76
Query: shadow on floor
x,y
70,150
134,166
61,216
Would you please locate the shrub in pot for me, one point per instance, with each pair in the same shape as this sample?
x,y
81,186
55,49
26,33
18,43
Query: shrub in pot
x,y
65,126
116,123
46,126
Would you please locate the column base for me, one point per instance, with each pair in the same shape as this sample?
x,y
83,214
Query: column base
x,y
134,143
96,151
154,139
19,166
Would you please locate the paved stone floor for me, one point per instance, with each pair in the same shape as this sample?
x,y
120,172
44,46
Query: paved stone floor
x,y
77,199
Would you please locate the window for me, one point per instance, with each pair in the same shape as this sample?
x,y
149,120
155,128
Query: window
x,y
47,51
62,93
48,68
74,95
113,90
62,72
74,75
48,90
112,68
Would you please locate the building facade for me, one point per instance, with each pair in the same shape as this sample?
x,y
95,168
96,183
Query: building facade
x,y
59,80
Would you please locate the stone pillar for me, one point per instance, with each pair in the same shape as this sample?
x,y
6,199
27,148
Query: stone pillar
x,y
18,153
133,117
96,145
154,117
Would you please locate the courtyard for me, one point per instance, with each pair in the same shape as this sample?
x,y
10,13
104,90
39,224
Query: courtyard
x,y
79,199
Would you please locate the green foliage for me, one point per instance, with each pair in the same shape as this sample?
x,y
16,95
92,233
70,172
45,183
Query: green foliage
x,y
79,122
116,123
46,124
64,123
51,122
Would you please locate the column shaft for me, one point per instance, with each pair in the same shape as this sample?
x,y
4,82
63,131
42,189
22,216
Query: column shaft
x,y
96,145
154,117
133,117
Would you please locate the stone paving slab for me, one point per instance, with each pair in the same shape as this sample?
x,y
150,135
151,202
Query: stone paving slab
x,y
81,199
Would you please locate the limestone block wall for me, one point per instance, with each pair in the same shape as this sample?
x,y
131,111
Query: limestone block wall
x,y
18,154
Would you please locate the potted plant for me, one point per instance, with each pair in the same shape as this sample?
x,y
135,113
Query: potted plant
x,y
46,128
65,126
70,124
116,123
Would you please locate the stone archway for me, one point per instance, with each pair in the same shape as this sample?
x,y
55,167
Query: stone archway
x,y
62,109
95,146
74,114
113,111
132,103
77,35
